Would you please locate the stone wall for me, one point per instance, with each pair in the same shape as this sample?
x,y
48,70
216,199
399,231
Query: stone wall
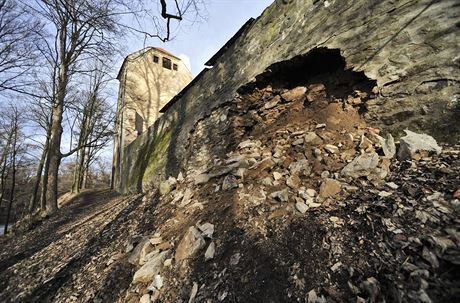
x,y
409,48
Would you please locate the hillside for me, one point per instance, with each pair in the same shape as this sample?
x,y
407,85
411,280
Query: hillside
x,y
309,204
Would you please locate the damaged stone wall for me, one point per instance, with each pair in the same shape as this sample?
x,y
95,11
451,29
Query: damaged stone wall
x,y
409,50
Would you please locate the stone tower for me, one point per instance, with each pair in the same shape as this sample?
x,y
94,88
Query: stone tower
x,y
149,78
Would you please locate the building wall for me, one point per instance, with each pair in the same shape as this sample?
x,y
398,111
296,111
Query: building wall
x,y
409,48
145,87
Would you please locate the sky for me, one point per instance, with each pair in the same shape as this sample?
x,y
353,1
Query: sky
x,y
201,40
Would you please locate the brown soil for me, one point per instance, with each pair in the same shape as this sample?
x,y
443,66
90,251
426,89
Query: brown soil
x,y
65,257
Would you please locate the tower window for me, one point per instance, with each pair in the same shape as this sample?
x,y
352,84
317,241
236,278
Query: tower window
x,y
167,63
174,66
155,59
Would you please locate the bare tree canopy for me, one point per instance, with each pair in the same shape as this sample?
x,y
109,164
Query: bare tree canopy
x,y
18,41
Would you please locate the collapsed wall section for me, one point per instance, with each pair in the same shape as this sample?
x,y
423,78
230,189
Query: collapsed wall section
x,y
408,49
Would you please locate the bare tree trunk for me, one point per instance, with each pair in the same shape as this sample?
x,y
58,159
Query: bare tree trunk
x,y
3,162
54,152
13,179
44,183
54,155
38,176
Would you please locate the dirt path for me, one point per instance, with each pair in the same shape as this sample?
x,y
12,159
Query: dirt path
x,y
66,258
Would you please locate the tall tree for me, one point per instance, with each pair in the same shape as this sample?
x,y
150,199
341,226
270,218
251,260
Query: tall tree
x,y
12,124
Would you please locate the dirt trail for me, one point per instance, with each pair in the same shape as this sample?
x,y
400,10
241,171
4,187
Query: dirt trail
x,y
65,257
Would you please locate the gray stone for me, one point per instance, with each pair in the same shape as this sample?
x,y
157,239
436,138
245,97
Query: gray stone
x,y
315,92
363,165
133,241
229,182
190,244
193,293
146,273
293,181
388,146
301,167
207,229
281,195
310,137
414,143
301,207
156,284
297,142
202,179
331,148
187,197
277,176
135,255
210,251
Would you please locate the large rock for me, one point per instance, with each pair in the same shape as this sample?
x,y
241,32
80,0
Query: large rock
x,y
147,272
135,255
414,144
190,244
363,165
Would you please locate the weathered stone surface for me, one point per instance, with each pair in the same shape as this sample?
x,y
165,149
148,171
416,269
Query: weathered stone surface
x,y
281,195
311,137
202,179
135,255
207,229
414,143
210,251
190,244
272,103
388,146
293,181
331,148
363,165
329,188
294,93
146,273
145,299
301,207
229,182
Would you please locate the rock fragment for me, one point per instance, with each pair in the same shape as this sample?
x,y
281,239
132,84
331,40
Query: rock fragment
x,y
294,93
415,145
229,182
363,165
281,195
210,251
329,188
331,148
301,207
190,244
146,273
272,103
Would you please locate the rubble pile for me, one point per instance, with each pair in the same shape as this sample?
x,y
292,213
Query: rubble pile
x,y
303,201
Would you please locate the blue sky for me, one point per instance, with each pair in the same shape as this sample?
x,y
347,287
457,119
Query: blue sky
x,y
199,41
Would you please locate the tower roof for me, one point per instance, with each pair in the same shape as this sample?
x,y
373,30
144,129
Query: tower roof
x,y
139,53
